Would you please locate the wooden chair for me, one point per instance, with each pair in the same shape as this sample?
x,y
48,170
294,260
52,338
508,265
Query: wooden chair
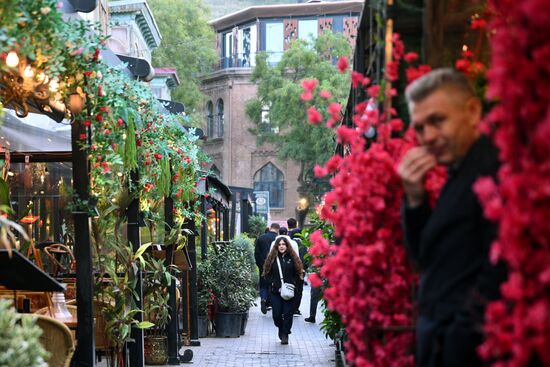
x,y
56,338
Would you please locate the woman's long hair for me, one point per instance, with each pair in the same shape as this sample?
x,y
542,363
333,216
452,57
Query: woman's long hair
x,y
273,255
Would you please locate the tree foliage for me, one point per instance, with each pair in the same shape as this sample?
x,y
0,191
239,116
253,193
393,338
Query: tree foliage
x,y
278,113
188,43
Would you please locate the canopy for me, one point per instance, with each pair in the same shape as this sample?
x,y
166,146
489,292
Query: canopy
x,y
19,273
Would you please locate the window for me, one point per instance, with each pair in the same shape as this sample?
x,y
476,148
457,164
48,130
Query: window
x,y
227,50
270,178
265,126
307,29
274,42
219,119
210,119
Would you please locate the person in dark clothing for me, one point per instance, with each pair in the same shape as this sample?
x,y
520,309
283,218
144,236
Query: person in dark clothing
x,y
261,250
283,230
283,254
293,231
314,298
449,243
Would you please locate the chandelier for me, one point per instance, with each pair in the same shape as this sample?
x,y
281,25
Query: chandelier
x,y
22,87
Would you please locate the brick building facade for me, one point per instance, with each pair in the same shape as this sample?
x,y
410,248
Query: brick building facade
x,y
236,157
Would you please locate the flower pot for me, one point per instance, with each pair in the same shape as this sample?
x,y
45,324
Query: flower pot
x,y
202,326
228,324
244,321
155,349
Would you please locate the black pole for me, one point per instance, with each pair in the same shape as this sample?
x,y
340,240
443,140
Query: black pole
x,y
194,310
136,348
172,327
85,349
244,215
234,199
225,212
204,231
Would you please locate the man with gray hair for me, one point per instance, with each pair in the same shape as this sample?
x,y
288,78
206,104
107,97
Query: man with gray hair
x,y
449,243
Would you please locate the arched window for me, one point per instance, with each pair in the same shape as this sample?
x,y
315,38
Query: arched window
x,y
270,178
210,119
219,118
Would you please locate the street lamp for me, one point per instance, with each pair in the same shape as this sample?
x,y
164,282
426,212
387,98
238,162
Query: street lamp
x,y
302,208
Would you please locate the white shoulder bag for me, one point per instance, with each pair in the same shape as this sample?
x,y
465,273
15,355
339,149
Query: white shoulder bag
x,y
287,289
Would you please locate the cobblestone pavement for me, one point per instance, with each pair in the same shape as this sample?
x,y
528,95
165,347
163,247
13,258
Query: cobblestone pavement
x,y
260,346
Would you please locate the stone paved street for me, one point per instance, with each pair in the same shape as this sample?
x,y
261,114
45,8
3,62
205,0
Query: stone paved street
x,y
260,346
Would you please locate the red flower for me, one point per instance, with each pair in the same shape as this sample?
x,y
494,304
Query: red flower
x,y
99,117
100,91
87,123
158,156
478,24
356,79
342,64
120,122
314,117
411,57
325,94
306,96
309,84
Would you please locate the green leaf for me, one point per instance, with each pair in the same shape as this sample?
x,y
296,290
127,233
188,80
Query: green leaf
x,y
144,325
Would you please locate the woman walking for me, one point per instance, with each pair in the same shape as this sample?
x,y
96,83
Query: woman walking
x,y
283,257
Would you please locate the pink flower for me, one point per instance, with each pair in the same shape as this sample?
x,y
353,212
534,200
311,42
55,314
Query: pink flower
x,y
319,171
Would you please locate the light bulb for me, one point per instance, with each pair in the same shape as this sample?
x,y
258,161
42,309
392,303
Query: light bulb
x,y
12,60
28,72
54,85
10,173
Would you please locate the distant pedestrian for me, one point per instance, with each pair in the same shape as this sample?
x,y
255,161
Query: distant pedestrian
x,y
282,256
314,298
283,231
293,232
261,249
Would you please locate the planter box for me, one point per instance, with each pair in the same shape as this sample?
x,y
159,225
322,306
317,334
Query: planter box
x,y
228,324
202,326
244,321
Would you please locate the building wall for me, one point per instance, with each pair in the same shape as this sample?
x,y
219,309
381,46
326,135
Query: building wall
x,y
236,155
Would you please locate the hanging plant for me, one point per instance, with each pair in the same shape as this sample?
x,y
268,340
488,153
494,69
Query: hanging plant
x,y
374,295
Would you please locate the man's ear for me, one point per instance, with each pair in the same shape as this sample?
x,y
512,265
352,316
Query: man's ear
x,y
473,108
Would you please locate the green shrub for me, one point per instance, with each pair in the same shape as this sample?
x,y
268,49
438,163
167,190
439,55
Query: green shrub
x,y
19,339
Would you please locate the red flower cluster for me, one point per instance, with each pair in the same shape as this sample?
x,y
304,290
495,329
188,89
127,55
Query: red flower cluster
x,y
518,327
370,282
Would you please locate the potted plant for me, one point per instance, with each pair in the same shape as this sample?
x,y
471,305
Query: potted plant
x,y
205,297
156,280
232,287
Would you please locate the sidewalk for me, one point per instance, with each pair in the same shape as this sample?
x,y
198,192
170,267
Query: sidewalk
x,y
260,346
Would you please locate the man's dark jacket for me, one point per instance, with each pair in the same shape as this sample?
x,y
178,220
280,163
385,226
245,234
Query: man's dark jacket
x,y
262,246
450,246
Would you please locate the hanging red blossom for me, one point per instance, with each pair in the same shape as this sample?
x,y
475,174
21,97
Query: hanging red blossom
x,y
370,281
518,327
342,64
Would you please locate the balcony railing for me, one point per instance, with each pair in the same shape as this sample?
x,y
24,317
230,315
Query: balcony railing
x,y
245,60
